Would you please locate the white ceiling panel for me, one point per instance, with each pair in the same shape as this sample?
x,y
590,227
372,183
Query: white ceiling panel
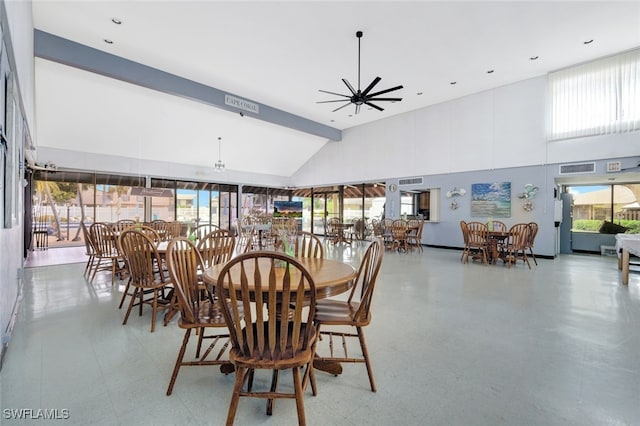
x,y
281,53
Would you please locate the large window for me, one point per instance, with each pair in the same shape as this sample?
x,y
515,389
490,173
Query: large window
x,y
63,199
612,203
257,200
194,202
596,98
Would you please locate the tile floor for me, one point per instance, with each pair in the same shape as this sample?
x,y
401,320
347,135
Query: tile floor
x,y
452,344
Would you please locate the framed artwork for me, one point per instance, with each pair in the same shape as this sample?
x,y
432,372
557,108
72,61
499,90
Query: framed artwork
x,y
491,199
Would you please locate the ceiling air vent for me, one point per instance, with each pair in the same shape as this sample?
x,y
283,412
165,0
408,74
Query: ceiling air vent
x,y
578,168
410,181
614,166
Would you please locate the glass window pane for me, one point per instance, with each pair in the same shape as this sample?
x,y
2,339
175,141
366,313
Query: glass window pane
x,y
591,205
626,205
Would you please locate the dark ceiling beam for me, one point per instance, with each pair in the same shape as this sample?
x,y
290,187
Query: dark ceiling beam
x,y
67,52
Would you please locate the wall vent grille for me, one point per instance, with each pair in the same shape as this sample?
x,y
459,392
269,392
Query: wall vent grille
x,y
578,168
614,166
410,181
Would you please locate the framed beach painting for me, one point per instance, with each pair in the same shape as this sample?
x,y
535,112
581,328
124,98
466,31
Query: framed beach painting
x,y
491,199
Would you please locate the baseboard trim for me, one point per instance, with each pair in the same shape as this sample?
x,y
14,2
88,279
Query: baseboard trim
x,y
538,256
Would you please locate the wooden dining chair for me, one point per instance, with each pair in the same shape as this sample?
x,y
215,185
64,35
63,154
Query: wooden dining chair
x,y
148,277
477,241
123,224
216,247
245,237
174,230
153,235
499,226
465,238
197,312
387,233
277,332
414,235
516,247
161,227
332,229
354,312
203,230
90,250
105,245
399,229
308,245
533,232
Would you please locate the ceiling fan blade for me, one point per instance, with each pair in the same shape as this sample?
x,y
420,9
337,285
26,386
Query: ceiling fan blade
x,y
339,108
374,106
336,100
333,93
385,91
370,86
349,86
385,99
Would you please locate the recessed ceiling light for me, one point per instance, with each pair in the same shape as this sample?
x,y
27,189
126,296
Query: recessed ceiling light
x,y
116,21
533,58
333,121
419,93
106,40
588,41
350,115
453,83
490,71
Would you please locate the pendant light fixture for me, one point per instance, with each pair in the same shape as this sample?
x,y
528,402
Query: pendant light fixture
x,y
219,165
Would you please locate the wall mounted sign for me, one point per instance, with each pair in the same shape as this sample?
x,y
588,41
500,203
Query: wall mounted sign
x,y
242,104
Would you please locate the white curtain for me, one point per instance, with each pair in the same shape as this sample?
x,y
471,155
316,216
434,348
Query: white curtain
x,y
596,98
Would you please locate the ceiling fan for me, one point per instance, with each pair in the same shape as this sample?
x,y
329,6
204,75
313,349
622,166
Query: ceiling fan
x,y
359,97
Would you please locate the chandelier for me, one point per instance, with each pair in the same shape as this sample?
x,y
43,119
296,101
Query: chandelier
x,y
219,165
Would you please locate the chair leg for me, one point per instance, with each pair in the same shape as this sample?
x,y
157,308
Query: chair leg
x,y
113,271
525,258
89,267
95,270
155,310
200,337
176,368
274,387
131,303
297,383
235,398
367,362
124,295
533,256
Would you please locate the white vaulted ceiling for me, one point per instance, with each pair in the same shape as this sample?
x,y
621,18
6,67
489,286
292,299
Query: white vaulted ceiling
x,y
280,53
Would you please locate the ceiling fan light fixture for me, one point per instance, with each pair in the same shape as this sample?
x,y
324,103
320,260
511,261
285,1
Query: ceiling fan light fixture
x,y
361,97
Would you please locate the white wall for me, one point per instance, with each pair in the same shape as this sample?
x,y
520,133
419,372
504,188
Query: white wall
x,y
20,20
20,26
86,161
493,136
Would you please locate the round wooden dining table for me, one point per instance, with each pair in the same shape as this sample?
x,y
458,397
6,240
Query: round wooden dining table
x,y
331,277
